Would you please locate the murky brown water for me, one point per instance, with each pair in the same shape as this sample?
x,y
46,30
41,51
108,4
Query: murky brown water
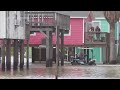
x,y
38,71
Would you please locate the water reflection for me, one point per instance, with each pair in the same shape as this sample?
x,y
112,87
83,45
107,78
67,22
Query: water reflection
x,y
37,71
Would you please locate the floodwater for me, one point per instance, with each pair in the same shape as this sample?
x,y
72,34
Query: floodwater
x,y
39,71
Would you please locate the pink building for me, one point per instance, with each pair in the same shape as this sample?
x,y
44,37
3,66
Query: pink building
x,y
74,37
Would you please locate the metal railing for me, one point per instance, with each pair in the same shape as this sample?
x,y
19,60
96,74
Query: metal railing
x,y
95,37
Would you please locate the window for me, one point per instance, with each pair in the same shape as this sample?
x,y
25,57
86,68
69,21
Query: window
x,y
116,41
67,32
96,23
88,26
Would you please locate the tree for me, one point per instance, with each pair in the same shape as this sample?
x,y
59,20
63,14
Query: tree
x,y
112,17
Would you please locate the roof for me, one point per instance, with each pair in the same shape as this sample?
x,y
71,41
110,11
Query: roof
x,y
81,13
75,13
98,13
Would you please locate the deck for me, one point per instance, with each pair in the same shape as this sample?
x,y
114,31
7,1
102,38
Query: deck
x,y
96,39
40,19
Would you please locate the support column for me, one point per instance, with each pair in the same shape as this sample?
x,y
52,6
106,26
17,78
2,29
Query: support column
x,y
108,54
33,55
3,55
104,55
0,54
21,54
8,54
15,64
107,57
51,48
48,49
27,37
27,54
57,50
62,47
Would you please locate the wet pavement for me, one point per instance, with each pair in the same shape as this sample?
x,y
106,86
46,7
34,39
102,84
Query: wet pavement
x,y
38,71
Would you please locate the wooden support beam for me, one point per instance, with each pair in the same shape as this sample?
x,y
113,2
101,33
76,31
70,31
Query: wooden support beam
x,y
57,51
108,53
0,54
41,29
21,54
51,48
62,47
15,64
27,64
48,50
8,54
104,55
33,55
3,55
28,28
27,31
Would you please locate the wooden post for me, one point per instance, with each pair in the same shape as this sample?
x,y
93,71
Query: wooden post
x,y
104,55
0,54
48,49
3,55
27,37
15,64
108,53
27,54
21,54
51,48
107,57
33,54
8,54
57,51
62,48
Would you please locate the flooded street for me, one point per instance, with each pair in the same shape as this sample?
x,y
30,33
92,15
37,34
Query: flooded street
x,y
38,71
83,37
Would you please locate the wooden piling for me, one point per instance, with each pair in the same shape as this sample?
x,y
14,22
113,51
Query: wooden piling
x,y
8,54
21,54
27,63
57,51
3,55
62,47
51,48
15,64
47,50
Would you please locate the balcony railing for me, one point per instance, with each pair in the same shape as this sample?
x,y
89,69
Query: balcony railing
x,y
39,19
96,38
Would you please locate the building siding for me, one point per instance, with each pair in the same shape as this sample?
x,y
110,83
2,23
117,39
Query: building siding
x,y
96,54
76,37
105,27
